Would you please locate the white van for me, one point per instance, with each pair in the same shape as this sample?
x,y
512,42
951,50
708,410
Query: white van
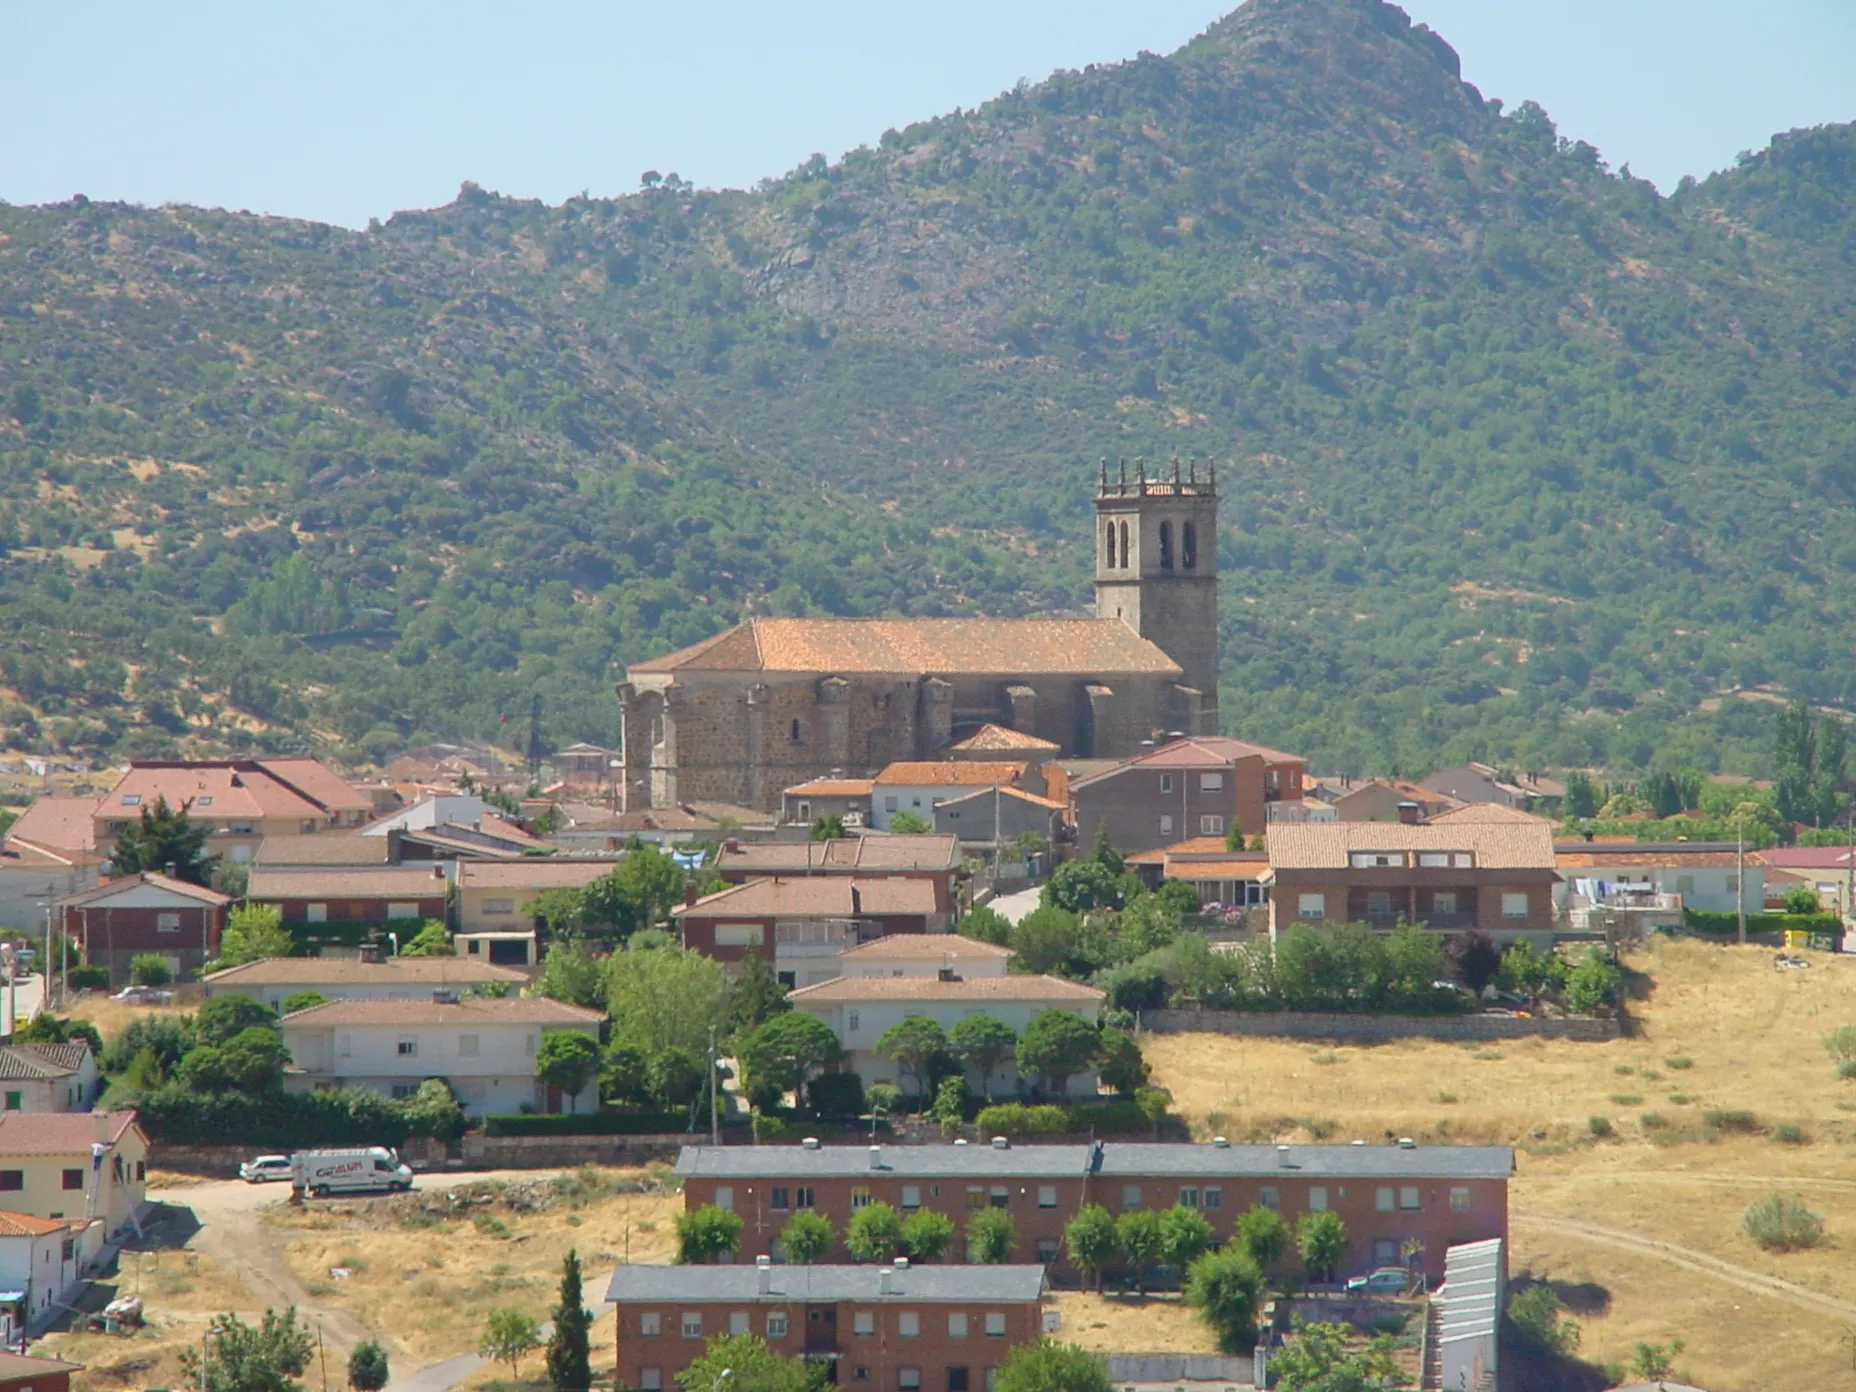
x,y
363,1169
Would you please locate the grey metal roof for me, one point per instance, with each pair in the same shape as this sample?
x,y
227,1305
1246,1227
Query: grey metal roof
x,y
896,1161
964,1285
1308,1161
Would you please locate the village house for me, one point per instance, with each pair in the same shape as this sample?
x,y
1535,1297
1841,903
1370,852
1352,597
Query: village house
x,y
991,743
1826,870
371,895
894,1326
41,1269
1061,774
847,799
919,788
47,1078
584,764
800,926
998,816
74,1166
1379,800
1387,1195
119,920
1498,878
1474,782
933,859
1656,875
367,977
1187,787
49,851
237,801
496,920
860,1008
931,955
484,1047
1217,874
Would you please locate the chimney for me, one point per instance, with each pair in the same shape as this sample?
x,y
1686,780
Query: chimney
x,y
883,1274
876,1157
438,872
810,1143
1220,1143
1001,1143
857,901
689,894
395,836
763,1273
1408,814
732,846
902,1263
1282,1158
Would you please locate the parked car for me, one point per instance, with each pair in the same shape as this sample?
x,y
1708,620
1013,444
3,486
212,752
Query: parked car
x,y
144,995
264,1169
357,1170
1387,1280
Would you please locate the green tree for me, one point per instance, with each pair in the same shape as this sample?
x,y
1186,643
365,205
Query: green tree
x,y
430,941
986,924
150,969
1656,1362
991,1238
1264,1234
1534,1312
163,841
253,932
568,1060
1077,886
927,1234
572,975
828,828
664,998
1801,899
706,1234
1226,1288
874,1233
1581,799
907,823
753,997
805,1238
744,1363
267,1357
562,911
1326,1358
433,1111
368,1370
1102,852
254,1059
1051,940
787,1050
950,1104
1321,1242
1045,1366
302,1000
570,1344
638,894
915,1042
625,1076
1137,1233
1090,1239
222,1017
507,1336
1184,1234
1057,1045
982,1042
1122,1066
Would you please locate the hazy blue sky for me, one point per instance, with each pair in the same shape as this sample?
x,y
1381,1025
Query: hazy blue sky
x,y
343,111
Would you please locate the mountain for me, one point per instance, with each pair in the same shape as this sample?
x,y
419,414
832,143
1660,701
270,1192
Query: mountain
x,y
1520,459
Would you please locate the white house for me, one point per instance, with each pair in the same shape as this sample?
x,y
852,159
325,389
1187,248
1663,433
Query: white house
x,y
919,788
1705,873
41,1266
925,954
275,979
48,1077
483,1047
860,1008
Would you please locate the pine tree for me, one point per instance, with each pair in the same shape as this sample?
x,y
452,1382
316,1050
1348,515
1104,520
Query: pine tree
x,y
569,1347
164,841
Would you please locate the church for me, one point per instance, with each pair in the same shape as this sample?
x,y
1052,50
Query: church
x,y
773,702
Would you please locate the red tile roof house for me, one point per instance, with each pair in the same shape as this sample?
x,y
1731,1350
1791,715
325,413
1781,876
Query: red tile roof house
x,y
802,925
368,895
1190,787
239,801
919,788
934,859
121,919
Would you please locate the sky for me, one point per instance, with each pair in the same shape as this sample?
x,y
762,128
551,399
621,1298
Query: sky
x,y
342,111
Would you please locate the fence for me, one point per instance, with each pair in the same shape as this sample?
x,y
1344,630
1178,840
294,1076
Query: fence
x,y
1295,1024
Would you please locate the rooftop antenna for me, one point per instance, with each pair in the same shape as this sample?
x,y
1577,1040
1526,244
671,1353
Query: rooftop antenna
x,y
1102,486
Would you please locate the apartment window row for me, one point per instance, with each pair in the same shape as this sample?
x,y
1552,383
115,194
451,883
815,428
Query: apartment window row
x,y
1210,1197
960,1324
959,1378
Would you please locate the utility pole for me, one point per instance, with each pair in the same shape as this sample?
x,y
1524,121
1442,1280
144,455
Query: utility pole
x,y
534,735
715,1111
1740,880
1849,868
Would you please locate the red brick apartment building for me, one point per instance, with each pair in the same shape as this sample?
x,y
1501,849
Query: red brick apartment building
x,y
898,1328
758,915
372,894
1189,787
1386,1194
119,920
934,859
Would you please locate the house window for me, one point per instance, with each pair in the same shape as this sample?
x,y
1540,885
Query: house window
x,y
467,1045
72,1179
1166,825
725,1197
850,1022
1462,860
1377,860
1269,1197
860,1197
1189,1197
863,1322
911,1196
1385,1199
956,1380
401,1091
1001,1197
740,934
499,906
1211,826
344,1044
1214,1197
776,1325
1166,782
13,1101
1385,1251
1311,906
1318,1198
1047,1250
805,811
1166,546
1459,1198
737,1321
650,1323
956,1326
131,799
141,1169
1188,546
976,1197
908,1378
1434,858
1733,884
995,1325
1130,1196
1125,563
408,1048
528,1045
1514,906
802,1197
167,923
1047,1196
1444,901
779,1197
650,1379
1211,782
395,911
12,1179
1685,884
909,1324
1378,901
692,1324
795,735
315,913
1408,1196
889,804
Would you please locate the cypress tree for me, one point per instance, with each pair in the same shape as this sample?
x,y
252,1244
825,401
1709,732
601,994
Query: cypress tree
x,y
569,1347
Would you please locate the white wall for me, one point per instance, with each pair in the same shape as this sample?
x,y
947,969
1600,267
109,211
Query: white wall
x,y
24,890
39,1266
495,1074
919,800
859,1026
1702,887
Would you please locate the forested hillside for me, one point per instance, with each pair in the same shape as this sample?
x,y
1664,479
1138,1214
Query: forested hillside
x,y
1519,458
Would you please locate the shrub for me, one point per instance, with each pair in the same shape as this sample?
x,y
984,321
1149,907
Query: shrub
x,y
1626,1099
1653,1121
1789,1133
1600,1127
89,978
1225,1287
150,969
706,1234
1534,1313
1847,1069
874,1233
927,1234
1782,1225
991,1238
1840,1044
1679,1062
805,1238
1744,1122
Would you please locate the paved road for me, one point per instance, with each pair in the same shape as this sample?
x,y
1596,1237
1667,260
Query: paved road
x,y
1687,1258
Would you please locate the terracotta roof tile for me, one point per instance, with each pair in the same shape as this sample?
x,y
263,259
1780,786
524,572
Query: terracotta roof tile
x,y
1251,869
64,823
924,947
60,1133
215,791
329,848
832,787
1327,845
1195,751
928,988
1026,647
811,896
1804,857
989,737
536,873
1048,804
393,971
952,773
383,882
1488,814
27,1225
1625,857
479,1010
850,853
320,783
110,888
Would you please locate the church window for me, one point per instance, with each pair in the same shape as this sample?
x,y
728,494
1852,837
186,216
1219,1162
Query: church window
x,y
1188,546
798,736
1110,530
1166,546
1125,562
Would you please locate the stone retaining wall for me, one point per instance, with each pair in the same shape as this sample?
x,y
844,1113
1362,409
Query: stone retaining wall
x,y
1293,1024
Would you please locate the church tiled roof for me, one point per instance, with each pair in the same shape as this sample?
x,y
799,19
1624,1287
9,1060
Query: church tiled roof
x,y
977,647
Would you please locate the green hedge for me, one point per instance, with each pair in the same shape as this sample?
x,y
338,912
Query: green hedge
x,y
89,978
270,1121
588,1124
1014,1119
1761,922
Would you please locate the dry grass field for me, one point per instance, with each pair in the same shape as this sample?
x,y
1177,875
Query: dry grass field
x,y
1720,1031
1121,1324
112,1016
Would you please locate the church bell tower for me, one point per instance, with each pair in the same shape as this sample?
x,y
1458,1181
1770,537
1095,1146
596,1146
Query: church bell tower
x,y
1157,569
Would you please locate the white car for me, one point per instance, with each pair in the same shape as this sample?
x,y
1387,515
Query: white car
x,y
264,1169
